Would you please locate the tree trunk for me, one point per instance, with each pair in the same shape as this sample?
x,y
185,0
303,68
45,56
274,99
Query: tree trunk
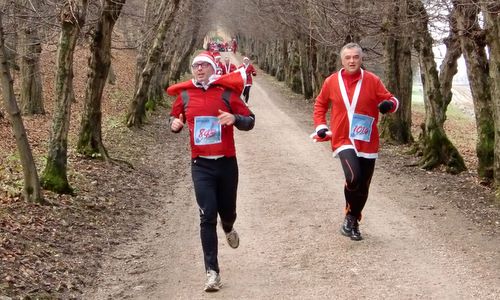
x,y
437,149
178,68
137,109
473,48
396,128
54,177
305,68
31,97
491,15
32,190
90,137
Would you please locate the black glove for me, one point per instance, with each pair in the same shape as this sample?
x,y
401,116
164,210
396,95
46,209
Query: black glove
x,y
385,106
322,133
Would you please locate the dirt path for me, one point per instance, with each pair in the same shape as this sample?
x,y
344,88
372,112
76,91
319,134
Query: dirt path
x,y
289,212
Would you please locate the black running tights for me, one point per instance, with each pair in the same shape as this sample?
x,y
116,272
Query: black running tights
x,y
358,173
215,185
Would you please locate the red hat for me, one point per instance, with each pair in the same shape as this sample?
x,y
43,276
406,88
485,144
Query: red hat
x,y
216,54
205,56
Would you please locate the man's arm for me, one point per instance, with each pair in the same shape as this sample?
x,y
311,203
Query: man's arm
x,y
244,118
387,102
176,120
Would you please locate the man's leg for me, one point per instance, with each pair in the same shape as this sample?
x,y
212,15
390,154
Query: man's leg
x,y
246,93
358,173
205,187
227,192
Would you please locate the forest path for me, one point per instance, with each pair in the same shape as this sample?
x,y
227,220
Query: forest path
x,y
290,204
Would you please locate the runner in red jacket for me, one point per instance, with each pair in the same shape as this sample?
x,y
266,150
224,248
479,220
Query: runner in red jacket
x,y
356,97
250,71
211,106
227,66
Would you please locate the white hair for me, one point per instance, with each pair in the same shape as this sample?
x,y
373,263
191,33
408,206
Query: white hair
x,y
351,46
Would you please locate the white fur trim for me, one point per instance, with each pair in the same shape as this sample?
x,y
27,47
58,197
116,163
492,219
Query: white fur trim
x,y
202,58
319,127
368,155
397,103
342,148
358,154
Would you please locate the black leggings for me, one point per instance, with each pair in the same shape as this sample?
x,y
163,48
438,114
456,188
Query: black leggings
x,y
215,185
246,92
358,173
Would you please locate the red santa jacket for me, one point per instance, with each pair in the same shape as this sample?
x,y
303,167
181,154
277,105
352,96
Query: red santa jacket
x,y
346,114
220,70
250,71
204,104
228,69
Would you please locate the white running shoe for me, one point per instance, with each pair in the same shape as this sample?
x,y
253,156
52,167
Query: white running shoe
x,y
213,283
233,239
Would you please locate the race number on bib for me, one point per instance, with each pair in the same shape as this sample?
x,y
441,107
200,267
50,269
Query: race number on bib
x,y
361,127
207,131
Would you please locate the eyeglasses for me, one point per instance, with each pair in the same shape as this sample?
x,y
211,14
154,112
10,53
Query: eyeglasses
x,y
203,65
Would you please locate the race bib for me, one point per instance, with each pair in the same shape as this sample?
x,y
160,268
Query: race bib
x,y
361,127
207,131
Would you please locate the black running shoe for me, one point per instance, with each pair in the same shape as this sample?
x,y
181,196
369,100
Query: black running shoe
x,y
346,228
355,233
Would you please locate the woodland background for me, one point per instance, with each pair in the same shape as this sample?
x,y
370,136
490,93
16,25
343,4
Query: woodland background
x,y
81,80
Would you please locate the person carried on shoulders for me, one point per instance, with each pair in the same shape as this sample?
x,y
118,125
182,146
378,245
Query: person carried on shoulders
x,y
211,107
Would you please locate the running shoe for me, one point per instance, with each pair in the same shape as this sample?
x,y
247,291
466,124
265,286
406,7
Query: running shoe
x,y
213,283
350,228
233,239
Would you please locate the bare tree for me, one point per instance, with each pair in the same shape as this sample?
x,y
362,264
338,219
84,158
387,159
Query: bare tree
x,y
137,110
473,43
72,18
491,13
398,43
31,96
437,149
90,137
32,190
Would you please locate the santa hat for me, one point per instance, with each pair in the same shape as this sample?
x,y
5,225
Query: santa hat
x,y
217,54
205,56
246,58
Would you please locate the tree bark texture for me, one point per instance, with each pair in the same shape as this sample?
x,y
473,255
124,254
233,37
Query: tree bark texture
x,y
137,109
396,128
90,137
54,177
32,190
491,13
31,97
473,42
437,149
194,35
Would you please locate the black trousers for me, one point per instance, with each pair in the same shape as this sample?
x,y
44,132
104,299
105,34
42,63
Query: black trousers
x,y
358,172
246,92
215,185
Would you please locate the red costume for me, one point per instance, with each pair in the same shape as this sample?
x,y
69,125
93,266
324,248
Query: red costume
x,y
334,92
201,103
226,69
250,71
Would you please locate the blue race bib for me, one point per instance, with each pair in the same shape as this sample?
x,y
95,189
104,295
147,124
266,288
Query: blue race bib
x,y
361,127
207,131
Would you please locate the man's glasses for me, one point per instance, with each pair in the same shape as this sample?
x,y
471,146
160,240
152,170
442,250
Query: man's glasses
x,y
203,65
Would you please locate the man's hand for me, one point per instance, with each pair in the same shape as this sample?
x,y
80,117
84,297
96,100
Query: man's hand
x,y
226,118
177,123
322,135
385,106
